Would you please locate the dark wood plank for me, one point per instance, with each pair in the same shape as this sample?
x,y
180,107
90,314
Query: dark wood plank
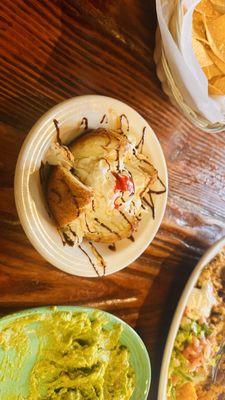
x,y
52,50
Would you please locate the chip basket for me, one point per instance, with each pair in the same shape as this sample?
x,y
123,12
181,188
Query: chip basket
x,y
169,87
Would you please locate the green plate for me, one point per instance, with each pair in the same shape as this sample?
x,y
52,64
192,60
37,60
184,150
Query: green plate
x,y
138,354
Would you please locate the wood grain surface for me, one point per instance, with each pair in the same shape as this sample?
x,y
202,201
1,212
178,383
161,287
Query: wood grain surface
x,y
52,50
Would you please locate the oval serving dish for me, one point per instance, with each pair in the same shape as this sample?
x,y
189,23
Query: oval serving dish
x,y
206,258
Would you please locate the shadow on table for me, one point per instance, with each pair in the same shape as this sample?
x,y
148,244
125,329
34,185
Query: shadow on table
x,y
85,42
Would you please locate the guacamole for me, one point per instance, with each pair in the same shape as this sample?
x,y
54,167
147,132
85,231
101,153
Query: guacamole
x,y
64,355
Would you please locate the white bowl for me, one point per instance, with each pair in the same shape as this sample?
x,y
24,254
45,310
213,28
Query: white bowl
x,y
34,218
205,259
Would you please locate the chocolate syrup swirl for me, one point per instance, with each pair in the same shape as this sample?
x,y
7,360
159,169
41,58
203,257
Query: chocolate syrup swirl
x,y
141,143
107,228
93,205
104,118
56,123
89,258
84,122
112,247
99,257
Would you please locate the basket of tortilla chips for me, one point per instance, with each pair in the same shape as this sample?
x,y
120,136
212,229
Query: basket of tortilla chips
x,y
190,59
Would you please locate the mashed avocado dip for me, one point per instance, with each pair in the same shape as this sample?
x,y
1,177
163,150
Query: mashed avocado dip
x,y
64,355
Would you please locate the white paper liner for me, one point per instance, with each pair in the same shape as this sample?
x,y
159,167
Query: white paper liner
x,y
187,73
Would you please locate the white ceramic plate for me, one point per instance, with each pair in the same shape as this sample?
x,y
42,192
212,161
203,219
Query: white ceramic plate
x,y
206,258
34,218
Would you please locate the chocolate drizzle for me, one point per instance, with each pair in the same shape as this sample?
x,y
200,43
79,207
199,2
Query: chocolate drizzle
x,y
68,153
144,161
93,205
87,225
99,257
131,238
159,191
141,159
104,118
107,228
66,239
118,159
145,188
89,258
112,247
128,125
150,204
107,162
84,122
141,143
61,236
56,123
126,219
138,218
105,132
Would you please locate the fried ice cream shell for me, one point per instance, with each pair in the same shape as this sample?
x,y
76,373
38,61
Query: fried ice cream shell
x,y
66,195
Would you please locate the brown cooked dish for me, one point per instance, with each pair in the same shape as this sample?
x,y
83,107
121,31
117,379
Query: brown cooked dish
x,y
197,367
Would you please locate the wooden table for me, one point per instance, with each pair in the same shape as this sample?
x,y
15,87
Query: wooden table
x,y
50,51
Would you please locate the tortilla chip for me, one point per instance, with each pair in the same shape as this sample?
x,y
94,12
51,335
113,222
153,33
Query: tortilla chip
x,y
198,27
211,71
219,5
215,31
217,86
201,53
220,64
206,8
